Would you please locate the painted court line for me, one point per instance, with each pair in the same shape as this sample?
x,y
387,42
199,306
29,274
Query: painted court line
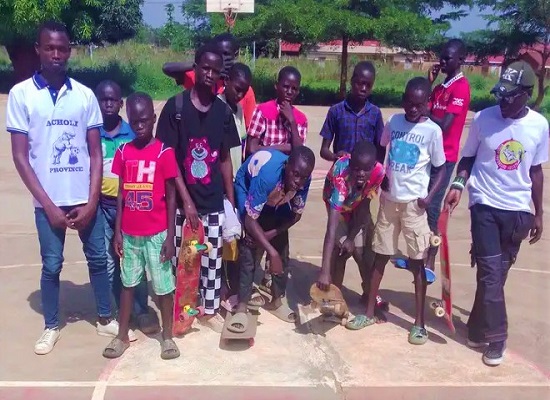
x,y
536,271
103,381
11,266
58,384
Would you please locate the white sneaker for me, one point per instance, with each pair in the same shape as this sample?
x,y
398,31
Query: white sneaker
x,y
111,330
46,342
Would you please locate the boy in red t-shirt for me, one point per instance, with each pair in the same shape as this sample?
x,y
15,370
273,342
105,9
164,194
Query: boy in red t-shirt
x,y
143,237
449,105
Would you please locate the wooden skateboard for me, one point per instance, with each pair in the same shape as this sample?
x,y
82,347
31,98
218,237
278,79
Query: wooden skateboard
x,y
444,307
331,303
187,278
248,335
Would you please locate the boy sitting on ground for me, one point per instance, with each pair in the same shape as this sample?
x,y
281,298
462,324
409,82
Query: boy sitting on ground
x,y
415,147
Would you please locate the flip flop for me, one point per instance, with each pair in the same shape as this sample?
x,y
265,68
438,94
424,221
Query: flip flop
x,y
115,348
238,319
401,263
284,313
256,301
359,322
418,335
169,350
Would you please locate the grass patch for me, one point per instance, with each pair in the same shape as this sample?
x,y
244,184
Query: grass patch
x,y
138,67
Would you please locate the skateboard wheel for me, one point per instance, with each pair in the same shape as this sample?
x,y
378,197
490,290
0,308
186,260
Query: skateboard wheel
x,y
200,309
209,247
251,342
435,241
191,251
439,312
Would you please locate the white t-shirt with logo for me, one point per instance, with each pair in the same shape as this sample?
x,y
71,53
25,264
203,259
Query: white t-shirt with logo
x,y
57,133
413,149
505,150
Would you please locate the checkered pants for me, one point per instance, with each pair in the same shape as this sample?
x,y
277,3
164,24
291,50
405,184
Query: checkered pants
x,y
211,263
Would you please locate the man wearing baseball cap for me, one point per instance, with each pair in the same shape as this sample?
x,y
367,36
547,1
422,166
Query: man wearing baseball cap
x,y
502,166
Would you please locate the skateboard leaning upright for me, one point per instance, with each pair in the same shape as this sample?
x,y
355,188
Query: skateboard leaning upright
x,y
331,303
444,307
193,245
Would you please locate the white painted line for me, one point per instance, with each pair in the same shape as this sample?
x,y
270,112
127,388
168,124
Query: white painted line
x,y
536,271
103,381
138,383
37,264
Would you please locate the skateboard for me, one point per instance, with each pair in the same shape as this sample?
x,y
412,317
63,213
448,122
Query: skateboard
x,y
187,278
331,303
248,335
444,307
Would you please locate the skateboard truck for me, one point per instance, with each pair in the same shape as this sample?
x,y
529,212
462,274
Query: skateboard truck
x,y
195,247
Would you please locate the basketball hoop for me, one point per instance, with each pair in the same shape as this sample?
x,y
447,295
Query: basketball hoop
x,y
230,9
230,17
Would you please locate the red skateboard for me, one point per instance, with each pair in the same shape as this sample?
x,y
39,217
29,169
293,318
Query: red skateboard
x,y
444,308
187,278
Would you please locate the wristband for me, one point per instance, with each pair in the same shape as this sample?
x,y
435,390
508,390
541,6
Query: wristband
x,y
458,186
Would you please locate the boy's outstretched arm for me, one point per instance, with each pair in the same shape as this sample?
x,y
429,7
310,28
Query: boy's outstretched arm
x,y
328,248
168,249
537,179
327,154
445,122
438,181
254,229
189,207
463,171
175,70
117,237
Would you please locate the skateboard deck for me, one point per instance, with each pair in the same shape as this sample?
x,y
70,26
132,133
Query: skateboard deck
x,y
331,303
248,335
444,307
187,278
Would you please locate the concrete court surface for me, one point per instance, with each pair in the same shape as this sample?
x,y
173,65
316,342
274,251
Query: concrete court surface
x,y
311,360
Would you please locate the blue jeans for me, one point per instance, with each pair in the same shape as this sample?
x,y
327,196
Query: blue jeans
x,y
113,265
434,209
52,243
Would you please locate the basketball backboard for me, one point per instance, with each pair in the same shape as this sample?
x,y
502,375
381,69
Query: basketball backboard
x,y
236,6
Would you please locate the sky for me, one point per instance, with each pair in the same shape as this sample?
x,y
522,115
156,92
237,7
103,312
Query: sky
x,y
154,15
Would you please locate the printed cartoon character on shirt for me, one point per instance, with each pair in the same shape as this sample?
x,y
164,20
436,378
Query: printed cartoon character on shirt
x,y
509,155
198,161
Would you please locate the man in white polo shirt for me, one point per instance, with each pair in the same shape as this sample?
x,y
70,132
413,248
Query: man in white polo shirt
x,y
502,164
54,121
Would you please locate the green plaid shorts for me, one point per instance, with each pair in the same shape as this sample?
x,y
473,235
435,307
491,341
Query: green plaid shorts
x,y
142,252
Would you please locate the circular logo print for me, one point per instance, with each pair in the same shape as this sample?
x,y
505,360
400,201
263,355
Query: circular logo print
x,y
509,155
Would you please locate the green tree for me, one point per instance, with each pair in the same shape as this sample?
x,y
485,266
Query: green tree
x,y
87,20
514,25
402,23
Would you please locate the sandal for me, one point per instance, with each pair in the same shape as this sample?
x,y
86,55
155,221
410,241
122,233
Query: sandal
x,y
418,335
283,312
169,350
359,322
214,322
115,348
238,323
256,301
265,286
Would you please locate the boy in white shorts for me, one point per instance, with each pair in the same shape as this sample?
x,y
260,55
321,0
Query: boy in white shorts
x,y
415,145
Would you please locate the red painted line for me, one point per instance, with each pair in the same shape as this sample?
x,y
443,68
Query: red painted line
x,y
541,370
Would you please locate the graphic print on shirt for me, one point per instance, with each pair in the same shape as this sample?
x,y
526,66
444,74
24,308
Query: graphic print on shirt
x,y
64,157
509,155
198,161
404,151
139,179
